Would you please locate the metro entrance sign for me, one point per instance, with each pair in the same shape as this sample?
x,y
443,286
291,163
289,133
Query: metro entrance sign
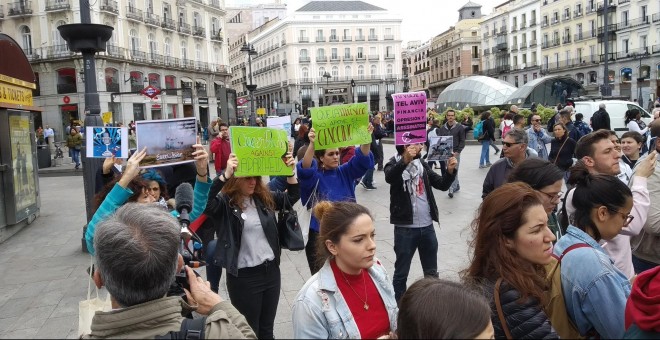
x,y
150,91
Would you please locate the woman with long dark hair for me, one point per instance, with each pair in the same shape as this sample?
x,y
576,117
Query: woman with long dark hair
x,y
562,149
595,290
248,247
511,245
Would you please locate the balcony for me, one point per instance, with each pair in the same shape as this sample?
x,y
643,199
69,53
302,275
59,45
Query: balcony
x,y
171,62
134,14
184,28
215,4
514,48
566,17
168,24
198,31
19,9
359,38
389,56
545,44
347,38
532,23
502,46
523,45
523,25
633,23
112,87
152,19
334,58
216,35
57,5
347,58
334,38
66,88
577,13
138,56
321,59
374,57
544,24
373,38
283,43
633,53
503,31
303,39
304,59
388,37
360,57
554,22
656,17
621,2
110,6
514,28
566,39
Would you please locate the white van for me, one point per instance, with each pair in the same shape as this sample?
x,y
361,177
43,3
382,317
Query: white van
x,y
616,109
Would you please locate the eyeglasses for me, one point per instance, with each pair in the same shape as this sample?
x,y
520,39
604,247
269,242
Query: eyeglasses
x,y
627,217
552,196
508,145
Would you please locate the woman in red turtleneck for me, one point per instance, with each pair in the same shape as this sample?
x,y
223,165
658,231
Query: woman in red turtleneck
x,y
351,296
643,307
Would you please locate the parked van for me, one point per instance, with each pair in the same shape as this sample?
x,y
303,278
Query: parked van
x,y
616,109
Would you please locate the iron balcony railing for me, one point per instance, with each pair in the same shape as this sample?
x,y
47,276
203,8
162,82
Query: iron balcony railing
x,y
110,6
57,5
134,13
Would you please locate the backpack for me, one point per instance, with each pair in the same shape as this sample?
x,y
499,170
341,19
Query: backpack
x,y
555,308
190,329
582,129
506,129
478,131
597,121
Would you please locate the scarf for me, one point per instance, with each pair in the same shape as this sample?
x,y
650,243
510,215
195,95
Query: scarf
x,y
411,180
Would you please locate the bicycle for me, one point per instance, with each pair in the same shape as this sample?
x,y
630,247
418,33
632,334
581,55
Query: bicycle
x,y
58,150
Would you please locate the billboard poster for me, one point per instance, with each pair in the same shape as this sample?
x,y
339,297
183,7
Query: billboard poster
x,y
168,141
22,164
409,117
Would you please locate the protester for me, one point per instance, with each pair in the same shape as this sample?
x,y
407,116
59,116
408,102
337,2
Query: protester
x,y
350,296
546,179
136,260
519,121
111,170
601,119
221,148
562,149
301,142
413,209
514,148
74,142
432,131
248,247
642,312
655,112
631,146
320,174
131,189
452,128
157,188
538,137
603,204
214,129
423,312
378,135
511,244
565,118
634,122
295,127
488,128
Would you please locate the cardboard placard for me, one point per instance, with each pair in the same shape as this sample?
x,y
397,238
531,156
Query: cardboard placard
x,y
341,125
168,141
409,118
260,151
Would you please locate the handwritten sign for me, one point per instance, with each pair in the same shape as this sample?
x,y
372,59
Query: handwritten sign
x,y
341,125
260,151
409,118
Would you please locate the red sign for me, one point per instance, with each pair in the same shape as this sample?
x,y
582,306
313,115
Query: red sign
x,y
66,108
66,99
150,91
155,106
241,101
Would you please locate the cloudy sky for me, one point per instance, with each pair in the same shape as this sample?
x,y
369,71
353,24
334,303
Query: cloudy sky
x,y
422,19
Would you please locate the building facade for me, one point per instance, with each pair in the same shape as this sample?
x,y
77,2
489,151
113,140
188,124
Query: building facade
x,y
420,68
454,54
168,44
314,56
523,40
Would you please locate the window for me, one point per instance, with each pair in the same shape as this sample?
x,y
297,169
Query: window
x,y
153,46
319,34
624,18
150,6
167,47
347,32
333,33
303,33
198,52
333,53
389,51
320,53
626,75
321,71
624,45
389,70
373,71
347,52
58,41
360,52
197,19
111,80
184,50
335,71
305,73
134,41
154,80
347,71
303,53
66,81
643,13
361,71
26,39
643,42
645,72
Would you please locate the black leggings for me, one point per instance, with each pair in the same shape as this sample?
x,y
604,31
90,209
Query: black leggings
x,y
255,293
310,251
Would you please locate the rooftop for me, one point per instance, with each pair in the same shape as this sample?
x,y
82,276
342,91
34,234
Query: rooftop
x,y
338,6
470,4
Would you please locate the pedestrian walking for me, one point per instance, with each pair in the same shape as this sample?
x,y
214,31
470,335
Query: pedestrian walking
x,y
74,142
488,136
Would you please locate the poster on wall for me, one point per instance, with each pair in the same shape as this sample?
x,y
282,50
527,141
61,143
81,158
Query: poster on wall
x,y
168,141
107,142
23,165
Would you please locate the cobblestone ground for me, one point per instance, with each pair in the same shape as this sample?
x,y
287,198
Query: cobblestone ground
x,y
43,269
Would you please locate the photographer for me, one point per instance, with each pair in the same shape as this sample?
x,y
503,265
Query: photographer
x,y
137,259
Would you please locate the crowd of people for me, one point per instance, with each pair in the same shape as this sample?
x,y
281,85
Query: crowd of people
x,y
575,254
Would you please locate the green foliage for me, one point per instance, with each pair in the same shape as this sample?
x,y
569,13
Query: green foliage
x,y
495,112
545,112
525,112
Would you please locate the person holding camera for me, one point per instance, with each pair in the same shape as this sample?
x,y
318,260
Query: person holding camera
x,y
137,259
248,247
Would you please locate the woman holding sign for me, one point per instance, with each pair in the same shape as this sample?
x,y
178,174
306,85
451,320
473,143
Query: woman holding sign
x,y
322,177
248,247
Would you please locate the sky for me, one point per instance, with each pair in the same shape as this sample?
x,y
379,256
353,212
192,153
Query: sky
x,y
422,19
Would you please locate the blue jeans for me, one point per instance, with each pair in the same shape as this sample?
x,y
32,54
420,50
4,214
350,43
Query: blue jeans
x,y
484,159
368,178
75,156
406,242
213,272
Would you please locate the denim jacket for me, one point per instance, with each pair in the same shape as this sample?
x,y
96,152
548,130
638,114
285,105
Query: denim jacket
x,y
595,291
320,311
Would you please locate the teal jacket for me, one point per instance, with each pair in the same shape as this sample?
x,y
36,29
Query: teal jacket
x,y
119,195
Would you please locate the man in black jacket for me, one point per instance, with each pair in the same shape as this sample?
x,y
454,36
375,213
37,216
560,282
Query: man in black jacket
x,y
601,119
514,148
452,128
413,210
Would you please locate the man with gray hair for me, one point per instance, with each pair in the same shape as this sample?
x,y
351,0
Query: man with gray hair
x,y
514,149
137,259
601,119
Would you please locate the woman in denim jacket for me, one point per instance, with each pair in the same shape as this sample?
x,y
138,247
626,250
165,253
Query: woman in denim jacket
x,y
595,290
351,296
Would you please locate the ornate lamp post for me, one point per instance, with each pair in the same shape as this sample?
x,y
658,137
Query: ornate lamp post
x,y
250,87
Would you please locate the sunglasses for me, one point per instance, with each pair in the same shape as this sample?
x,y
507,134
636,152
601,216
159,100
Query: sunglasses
x,y
508,145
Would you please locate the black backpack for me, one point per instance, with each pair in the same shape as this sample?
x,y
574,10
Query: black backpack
x,y
190,329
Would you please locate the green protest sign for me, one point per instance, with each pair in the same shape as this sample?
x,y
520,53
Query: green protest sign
x,y
260,151
340,125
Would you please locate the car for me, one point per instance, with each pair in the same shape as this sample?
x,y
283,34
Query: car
x,y
616,109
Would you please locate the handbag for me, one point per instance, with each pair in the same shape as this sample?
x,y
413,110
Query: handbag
x,y
88,308
500,313
288,228
305,213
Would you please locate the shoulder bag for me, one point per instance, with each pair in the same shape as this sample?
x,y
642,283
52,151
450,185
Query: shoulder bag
x,y
288,228
500,313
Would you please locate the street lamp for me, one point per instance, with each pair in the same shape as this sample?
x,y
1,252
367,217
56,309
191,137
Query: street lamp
x,y
640,79
327,77
352,91
251,87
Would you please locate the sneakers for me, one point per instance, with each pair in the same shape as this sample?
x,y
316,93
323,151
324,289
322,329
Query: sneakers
x,y
481,166
488,165
451,193
368,187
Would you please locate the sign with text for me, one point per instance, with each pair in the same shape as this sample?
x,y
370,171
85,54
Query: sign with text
x,y
280,123
168,141
341,125
409,118
260,151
